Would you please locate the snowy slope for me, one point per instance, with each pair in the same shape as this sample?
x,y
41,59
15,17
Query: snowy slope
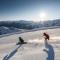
x,y
36,49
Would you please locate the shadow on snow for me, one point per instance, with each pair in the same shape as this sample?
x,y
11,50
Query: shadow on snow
x,y
7,57
49,50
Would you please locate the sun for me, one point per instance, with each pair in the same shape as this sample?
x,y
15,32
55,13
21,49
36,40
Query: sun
x,y
43,16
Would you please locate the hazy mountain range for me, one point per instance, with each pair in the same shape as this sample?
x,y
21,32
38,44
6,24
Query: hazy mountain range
x,y
15,26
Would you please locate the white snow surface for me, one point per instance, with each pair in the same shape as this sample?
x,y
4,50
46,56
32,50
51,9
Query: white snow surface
x,y
35,49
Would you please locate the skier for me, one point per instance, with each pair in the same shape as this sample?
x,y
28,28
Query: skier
x,y
46,36
21,41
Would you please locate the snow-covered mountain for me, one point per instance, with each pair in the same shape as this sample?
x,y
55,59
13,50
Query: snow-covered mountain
x,y
15,26
10,30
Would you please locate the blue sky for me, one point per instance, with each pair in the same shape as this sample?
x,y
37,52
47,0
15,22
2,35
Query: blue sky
x,y
29,9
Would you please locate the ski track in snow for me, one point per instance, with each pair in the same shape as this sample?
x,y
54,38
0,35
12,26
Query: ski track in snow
x,y
34,50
